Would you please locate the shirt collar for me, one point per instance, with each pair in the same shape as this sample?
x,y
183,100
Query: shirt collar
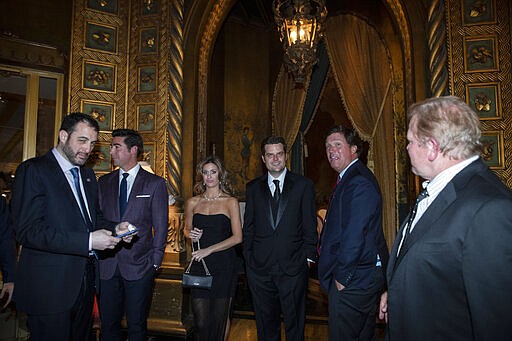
x,y
64,163
270,178
345,170
437,184
133,172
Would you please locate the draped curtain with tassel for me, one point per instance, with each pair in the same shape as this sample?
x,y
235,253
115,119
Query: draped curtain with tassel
x,y
287,106
362,70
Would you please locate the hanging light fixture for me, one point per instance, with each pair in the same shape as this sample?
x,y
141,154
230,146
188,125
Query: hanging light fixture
x,y
300,24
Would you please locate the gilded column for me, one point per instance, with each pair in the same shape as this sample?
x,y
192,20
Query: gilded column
x,y
176,241
437,54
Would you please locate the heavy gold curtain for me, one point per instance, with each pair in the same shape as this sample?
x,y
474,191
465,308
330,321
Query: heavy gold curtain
x,y
362,70
287,106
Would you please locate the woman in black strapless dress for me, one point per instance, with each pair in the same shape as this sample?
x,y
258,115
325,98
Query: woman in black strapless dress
x,y
212,219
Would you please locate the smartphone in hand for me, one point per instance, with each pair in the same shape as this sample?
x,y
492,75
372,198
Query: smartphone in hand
x,y
127,233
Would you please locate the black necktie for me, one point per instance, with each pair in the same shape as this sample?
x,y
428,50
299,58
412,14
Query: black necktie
x,y
277,192
277,196
423,194
83,207
123,196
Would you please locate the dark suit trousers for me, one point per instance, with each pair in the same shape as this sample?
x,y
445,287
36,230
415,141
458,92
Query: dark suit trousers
x,y
74,324
352,311
276,291
135,296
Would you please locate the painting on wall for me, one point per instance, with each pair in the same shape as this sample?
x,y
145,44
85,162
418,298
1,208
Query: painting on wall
x,y
146,114
480,54
484,99
100,159
148,40
242,136
99,76
107,6
103,112
100,37
492,153
149,7
477,12
149,154
147,78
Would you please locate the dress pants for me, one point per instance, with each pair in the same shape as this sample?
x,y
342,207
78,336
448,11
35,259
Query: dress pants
x,y
352,311
274,292
134,296
74,324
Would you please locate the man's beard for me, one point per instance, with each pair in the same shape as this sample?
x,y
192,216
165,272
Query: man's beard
x,y
71,156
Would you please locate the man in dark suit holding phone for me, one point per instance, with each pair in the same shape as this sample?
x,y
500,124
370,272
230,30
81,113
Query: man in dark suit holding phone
x,y
280,240
127,273
57,220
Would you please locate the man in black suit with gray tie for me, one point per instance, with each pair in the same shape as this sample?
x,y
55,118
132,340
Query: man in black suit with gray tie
x,y
280,240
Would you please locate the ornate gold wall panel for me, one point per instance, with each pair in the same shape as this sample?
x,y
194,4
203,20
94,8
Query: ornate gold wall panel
x,y
480,55
114,63
119,70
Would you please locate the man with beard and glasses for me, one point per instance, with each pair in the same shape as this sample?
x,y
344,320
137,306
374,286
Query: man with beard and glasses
x,y
56,218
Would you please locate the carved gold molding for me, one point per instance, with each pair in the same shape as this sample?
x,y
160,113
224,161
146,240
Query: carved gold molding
x,y
31,54
461,77
217,14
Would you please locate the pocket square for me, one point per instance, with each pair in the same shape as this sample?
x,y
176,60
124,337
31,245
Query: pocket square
x,y
143,196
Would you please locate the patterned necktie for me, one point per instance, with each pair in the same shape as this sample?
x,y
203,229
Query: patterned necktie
x,y
277,196
123,195
423,194
83,207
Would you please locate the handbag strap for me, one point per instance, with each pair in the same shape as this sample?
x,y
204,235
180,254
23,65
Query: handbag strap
x,y
202,260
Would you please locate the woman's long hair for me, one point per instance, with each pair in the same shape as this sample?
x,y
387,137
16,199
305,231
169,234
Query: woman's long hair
x,y
224,183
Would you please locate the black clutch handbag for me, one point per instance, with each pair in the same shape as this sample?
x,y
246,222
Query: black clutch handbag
x,y
197,281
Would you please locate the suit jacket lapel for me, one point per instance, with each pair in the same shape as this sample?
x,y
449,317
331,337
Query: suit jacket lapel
x,y
267,197
91,203
424,224
62,182
447,196
110,194
338,189
137,188
283,201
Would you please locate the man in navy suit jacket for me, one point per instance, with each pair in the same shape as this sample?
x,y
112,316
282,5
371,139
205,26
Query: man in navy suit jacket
x,y
55,277
449,272
279,242
353,252
127,272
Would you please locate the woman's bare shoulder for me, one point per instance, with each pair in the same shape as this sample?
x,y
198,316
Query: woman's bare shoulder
x,y
193,201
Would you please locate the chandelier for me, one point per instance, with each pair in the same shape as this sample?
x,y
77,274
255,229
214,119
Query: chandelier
x,y
300,24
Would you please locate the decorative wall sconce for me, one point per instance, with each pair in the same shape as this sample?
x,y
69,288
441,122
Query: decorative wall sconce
x,y
300,24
